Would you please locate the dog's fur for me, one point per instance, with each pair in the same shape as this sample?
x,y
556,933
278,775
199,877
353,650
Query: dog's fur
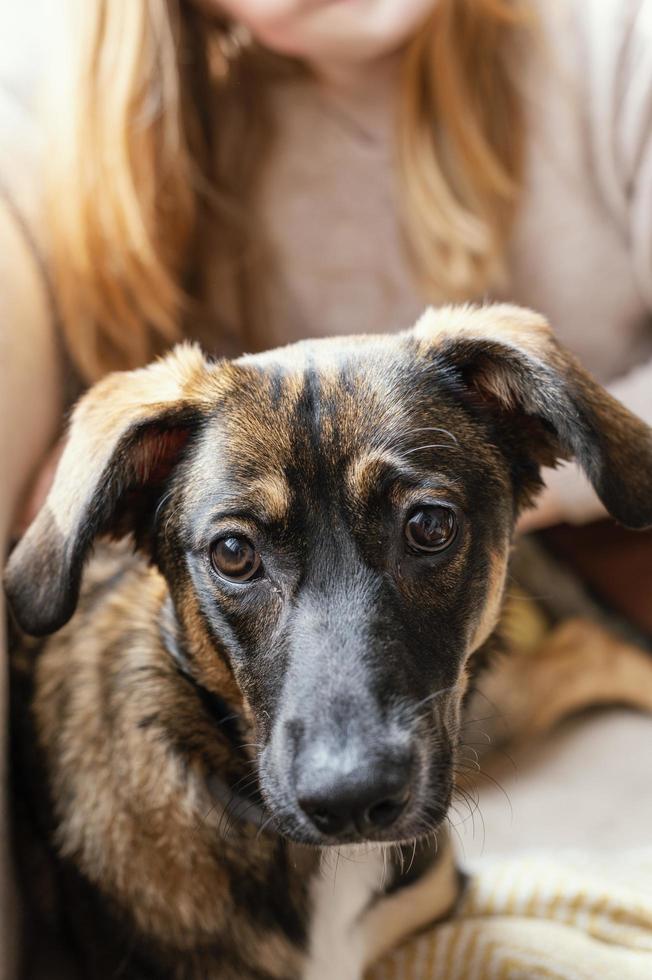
x,y
176,719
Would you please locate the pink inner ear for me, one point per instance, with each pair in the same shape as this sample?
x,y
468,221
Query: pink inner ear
x,y
156,453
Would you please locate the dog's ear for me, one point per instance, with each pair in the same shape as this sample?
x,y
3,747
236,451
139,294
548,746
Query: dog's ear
x,y
125,437
507,358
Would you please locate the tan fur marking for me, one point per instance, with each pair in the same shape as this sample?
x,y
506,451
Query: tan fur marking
x,y
364,472
578,665
514,326
272,496
493,603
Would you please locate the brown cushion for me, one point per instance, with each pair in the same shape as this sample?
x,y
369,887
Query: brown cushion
x,y
615,563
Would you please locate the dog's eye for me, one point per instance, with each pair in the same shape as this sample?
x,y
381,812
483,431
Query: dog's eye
x,y
431,528
235,558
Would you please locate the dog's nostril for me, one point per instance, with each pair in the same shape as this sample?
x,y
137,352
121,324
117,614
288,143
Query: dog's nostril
x,y
330,822
363,805
384,813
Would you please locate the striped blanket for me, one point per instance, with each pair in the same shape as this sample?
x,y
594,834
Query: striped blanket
x,y
566,916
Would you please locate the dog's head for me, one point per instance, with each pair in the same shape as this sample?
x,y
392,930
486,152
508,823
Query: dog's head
x,y
334,520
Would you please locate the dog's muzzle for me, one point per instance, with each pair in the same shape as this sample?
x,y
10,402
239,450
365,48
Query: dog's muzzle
x,y
350,792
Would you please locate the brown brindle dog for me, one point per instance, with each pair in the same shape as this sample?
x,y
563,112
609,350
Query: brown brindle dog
x,y
322,537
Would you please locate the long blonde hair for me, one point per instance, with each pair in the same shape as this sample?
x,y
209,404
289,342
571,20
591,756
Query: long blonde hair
x,y
151,93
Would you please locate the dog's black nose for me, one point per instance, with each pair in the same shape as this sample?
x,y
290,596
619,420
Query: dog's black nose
x,y
368,799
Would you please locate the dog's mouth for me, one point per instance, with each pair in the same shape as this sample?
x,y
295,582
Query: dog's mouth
x,y
418,816
416,823
415,813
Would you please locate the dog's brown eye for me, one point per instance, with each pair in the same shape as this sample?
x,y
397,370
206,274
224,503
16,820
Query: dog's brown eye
x,y
235,558
431,528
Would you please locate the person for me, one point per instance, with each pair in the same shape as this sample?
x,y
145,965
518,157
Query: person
x,y
249,172
334,170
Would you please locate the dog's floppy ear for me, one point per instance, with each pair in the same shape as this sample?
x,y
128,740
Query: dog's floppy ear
x,y
124,438
508,357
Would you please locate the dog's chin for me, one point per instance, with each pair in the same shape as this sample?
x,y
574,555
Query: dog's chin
x,y
290,826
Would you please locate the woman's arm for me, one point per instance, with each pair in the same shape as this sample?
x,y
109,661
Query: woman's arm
x,y
619,93
30,413
30,368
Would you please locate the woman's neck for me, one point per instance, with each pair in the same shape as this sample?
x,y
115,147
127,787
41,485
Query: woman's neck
x,y
364,93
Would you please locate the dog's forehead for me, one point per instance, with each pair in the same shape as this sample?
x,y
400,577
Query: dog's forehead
x,y
342,393
324,417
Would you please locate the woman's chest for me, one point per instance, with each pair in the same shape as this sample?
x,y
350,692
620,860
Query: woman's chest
x,y
329,214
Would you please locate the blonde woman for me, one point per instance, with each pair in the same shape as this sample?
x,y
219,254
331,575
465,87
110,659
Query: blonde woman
x,y
249,172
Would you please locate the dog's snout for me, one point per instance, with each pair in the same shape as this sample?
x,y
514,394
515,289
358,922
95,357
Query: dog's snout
x,y
343,796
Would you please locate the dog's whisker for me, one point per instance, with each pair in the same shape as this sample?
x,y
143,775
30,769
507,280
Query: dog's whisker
x,y
478,721
436,694
242,787
263,827
485,775
497,712
204,816
473,807
414,852
412,714
431,445
458,836
435,428
476,772
337,864
467,745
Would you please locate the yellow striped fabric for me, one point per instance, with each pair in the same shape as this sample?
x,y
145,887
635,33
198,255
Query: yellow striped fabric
x,y
566,916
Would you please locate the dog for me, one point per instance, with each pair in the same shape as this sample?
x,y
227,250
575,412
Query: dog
x,y
276,674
